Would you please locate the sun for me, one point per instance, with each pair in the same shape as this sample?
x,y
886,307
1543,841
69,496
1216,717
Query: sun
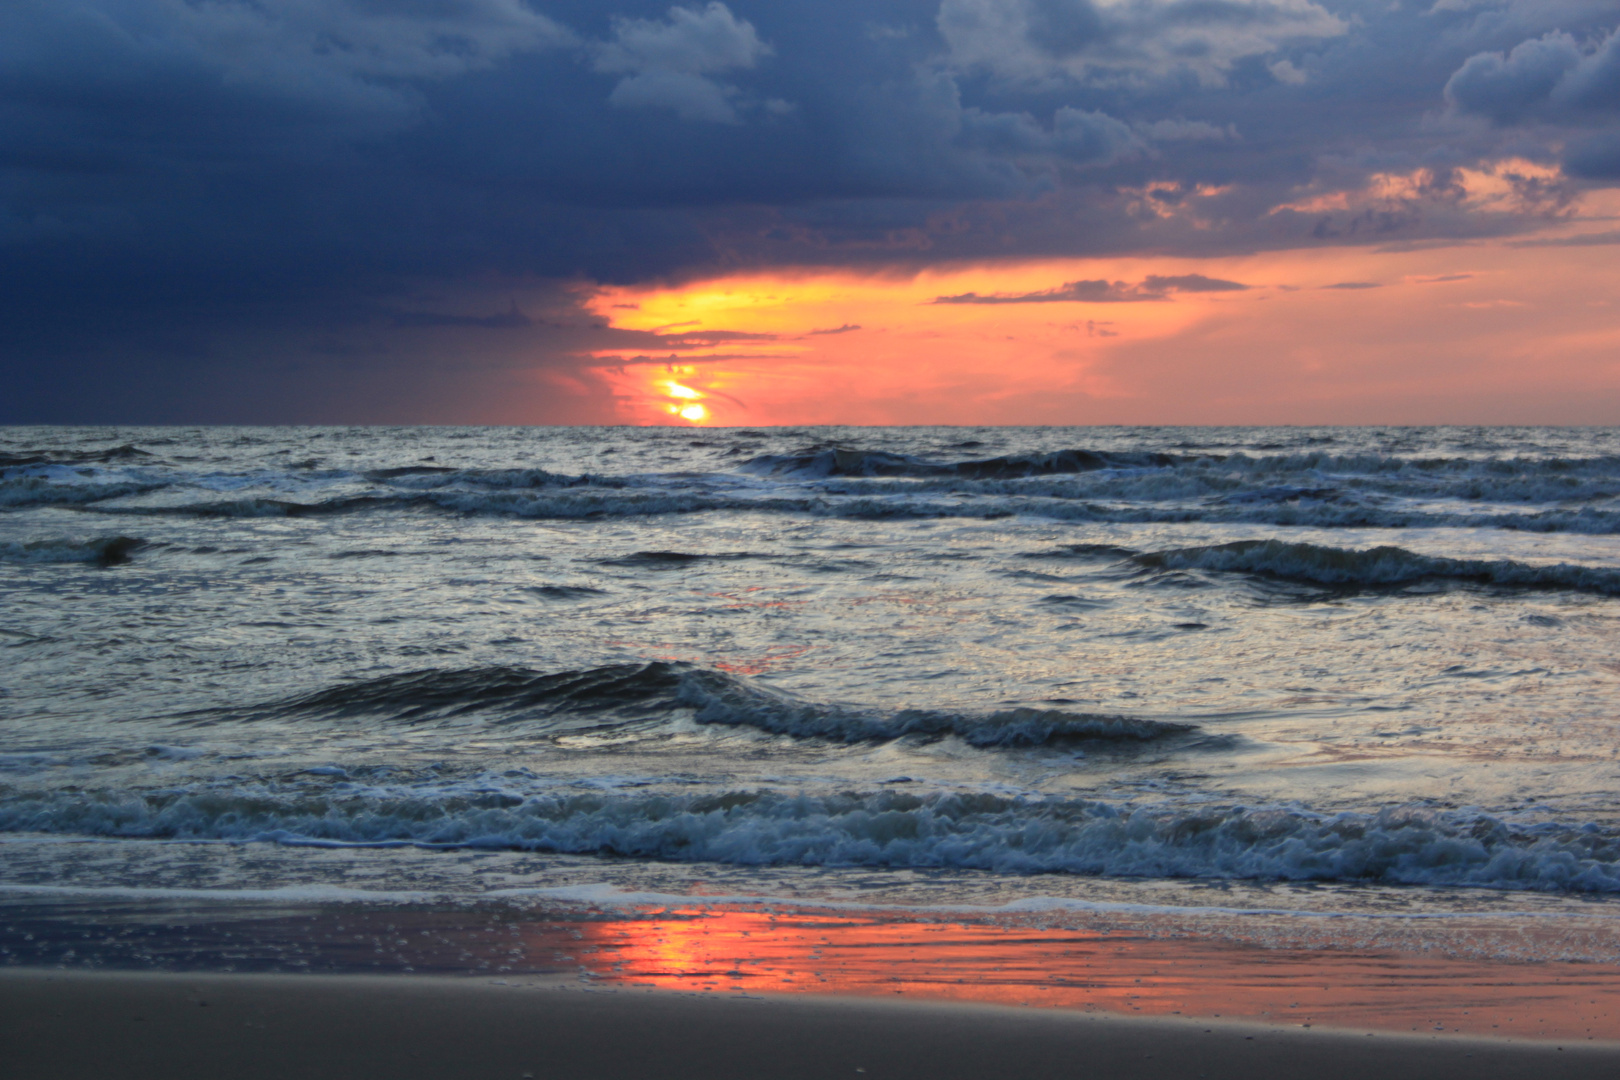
x,y
687,402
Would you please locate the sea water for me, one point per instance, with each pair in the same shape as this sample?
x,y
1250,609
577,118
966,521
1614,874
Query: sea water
x,y
1322,671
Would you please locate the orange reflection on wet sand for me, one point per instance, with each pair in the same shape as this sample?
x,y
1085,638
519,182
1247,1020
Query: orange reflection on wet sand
x,y
731,950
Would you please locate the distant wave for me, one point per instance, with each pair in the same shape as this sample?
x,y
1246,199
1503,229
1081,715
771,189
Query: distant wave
x,y
885,828
839,461
1375,567
586,502
70,457
18,492
1314,489
672,560
627,693
101,550
425,477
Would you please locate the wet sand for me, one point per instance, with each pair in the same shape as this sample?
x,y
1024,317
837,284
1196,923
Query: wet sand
x,y
1551,979
64,1025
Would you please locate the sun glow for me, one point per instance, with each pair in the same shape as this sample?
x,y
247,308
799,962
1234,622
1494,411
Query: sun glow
x,y
1323,335
773,348
688,402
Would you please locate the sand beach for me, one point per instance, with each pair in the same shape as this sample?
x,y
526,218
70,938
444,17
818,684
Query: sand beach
x,y
70,1025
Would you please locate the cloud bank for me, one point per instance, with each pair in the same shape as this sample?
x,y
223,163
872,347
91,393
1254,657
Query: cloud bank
x,y
279,193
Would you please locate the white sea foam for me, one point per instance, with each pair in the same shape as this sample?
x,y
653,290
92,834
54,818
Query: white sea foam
x,y
883,829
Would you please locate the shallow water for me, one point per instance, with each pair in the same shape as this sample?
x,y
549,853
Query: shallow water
x,y
1033,662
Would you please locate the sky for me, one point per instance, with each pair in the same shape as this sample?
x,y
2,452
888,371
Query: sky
x,y
765,212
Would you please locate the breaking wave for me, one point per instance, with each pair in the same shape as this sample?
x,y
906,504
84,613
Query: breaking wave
x,y
627,693
1399,846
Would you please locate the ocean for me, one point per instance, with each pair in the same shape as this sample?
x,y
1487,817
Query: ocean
x,y
1328,685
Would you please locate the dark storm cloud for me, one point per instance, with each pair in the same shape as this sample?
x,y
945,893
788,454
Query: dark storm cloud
x,y
1595,158
1559,79
207,194
1549,75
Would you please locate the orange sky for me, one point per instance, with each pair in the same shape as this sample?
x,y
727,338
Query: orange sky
x,y
1480,332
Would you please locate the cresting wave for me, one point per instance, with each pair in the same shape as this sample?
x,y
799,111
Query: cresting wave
x,y
1378,567
1399,846
621,694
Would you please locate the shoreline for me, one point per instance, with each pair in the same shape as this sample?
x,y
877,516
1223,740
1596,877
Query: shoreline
x,y
1431,977
66,1024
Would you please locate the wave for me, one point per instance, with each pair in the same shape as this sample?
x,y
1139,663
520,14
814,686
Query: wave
x,y
71,457
622,693
888,829
1365,489
1469,476
590,502
1314,489
261,507
102,550
724,699
673,560
1379,567
839,461
428,477
564,592
25,491
586,501
492,694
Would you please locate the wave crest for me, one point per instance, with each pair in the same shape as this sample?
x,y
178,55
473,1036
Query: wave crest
x,y
629,693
